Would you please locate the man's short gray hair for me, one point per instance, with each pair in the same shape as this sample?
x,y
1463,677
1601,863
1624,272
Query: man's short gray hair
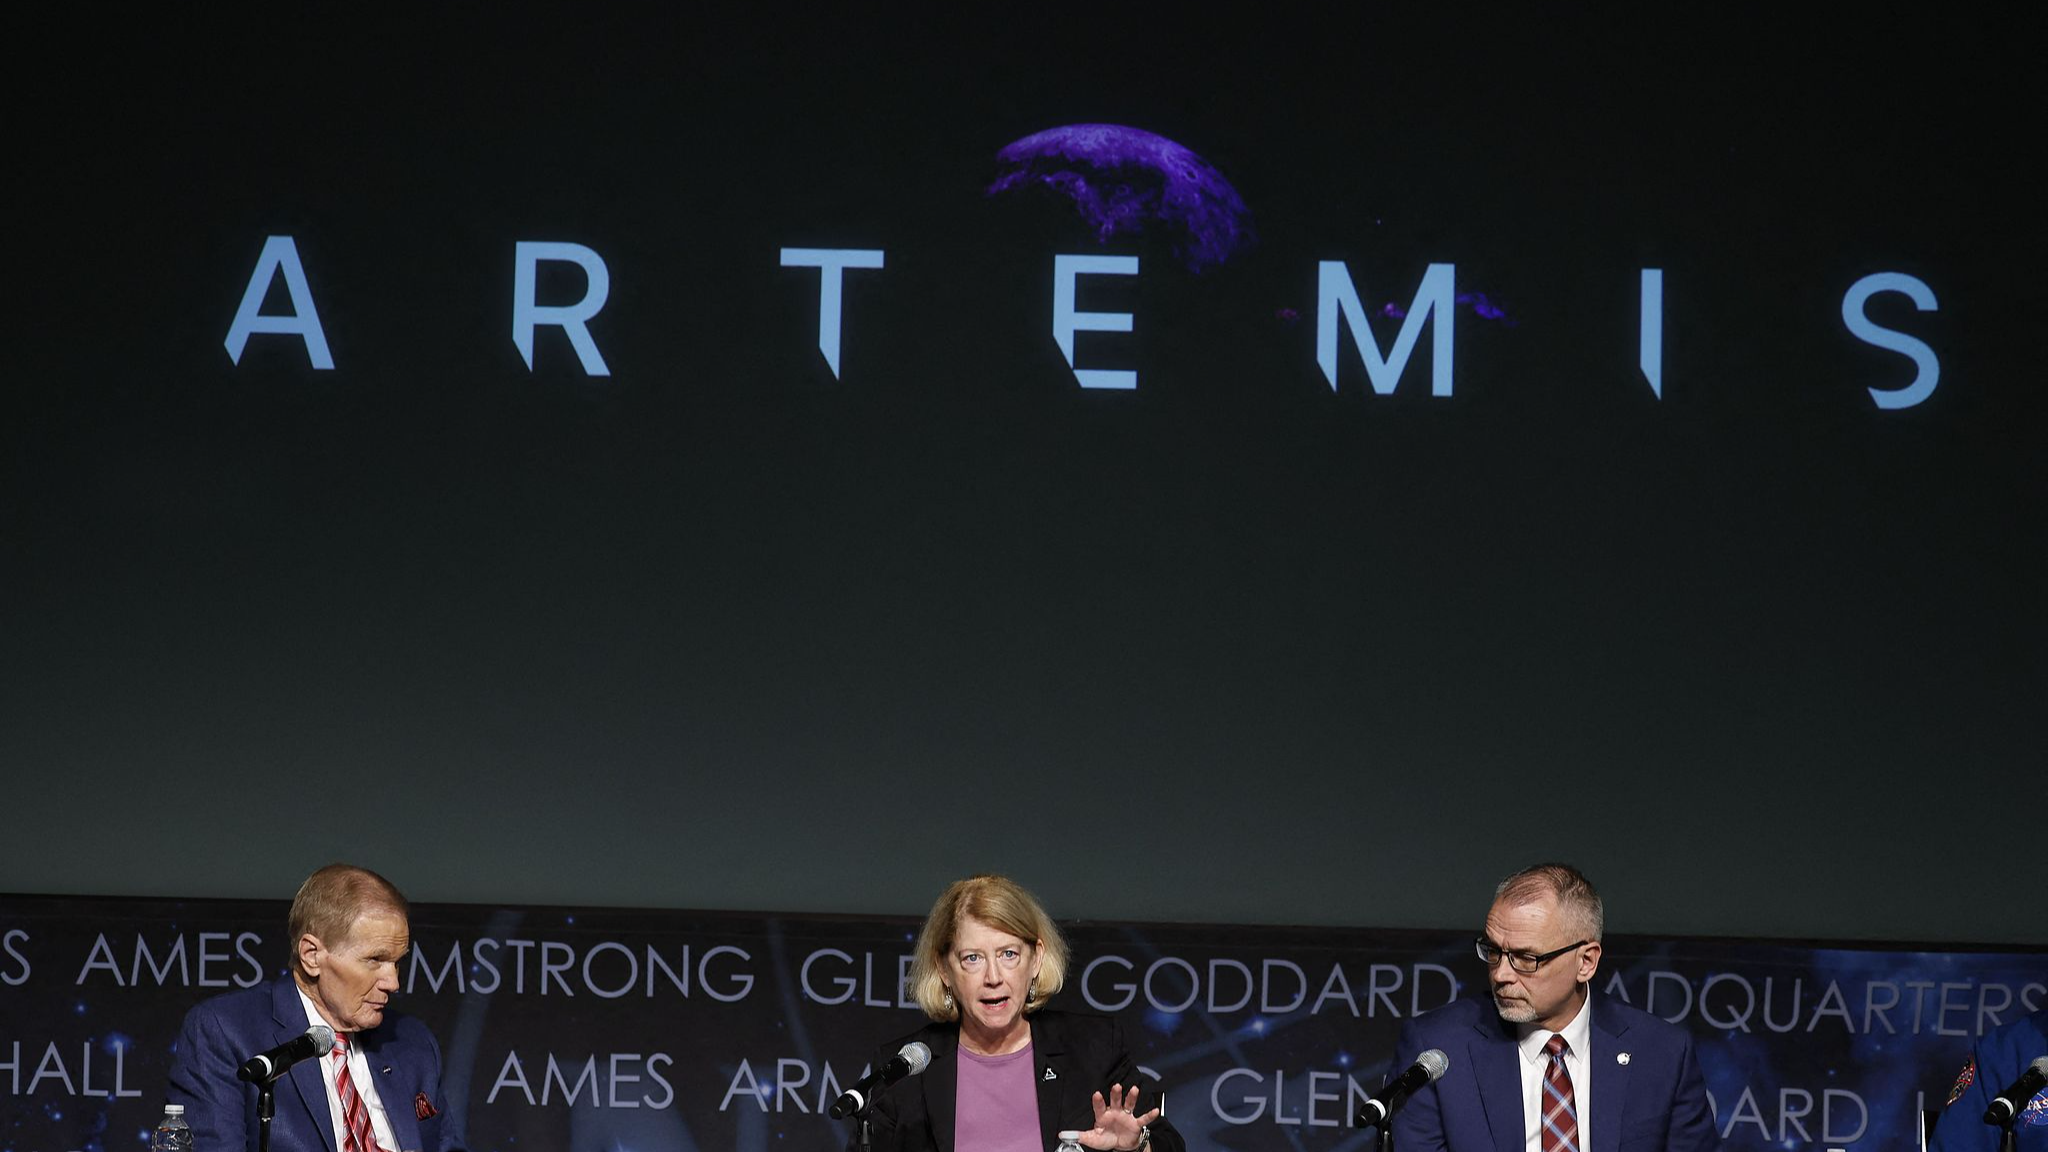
x,y
1574,894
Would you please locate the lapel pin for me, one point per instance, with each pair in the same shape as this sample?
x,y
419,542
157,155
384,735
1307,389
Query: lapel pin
x,y
1621,1057
1051,1075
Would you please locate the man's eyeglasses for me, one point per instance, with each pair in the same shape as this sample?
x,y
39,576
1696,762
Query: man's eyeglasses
x,y
1527,963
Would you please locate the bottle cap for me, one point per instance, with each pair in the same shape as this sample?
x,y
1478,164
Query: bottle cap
x,y
1071,1136
174,1109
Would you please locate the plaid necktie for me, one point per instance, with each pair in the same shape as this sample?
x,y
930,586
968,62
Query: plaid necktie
x,y
355,1115
1560,1110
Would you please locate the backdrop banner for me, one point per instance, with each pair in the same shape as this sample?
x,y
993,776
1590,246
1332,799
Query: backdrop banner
x,y
658,1031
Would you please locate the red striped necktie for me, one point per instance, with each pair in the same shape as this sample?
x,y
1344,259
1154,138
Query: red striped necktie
x,y
355,1114
1560,1110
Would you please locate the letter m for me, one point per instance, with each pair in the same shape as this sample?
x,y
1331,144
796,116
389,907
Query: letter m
x,y
555,1076
435,976
1436,295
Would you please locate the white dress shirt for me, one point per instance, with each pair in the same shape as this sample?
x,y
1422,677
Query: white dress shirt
x,y
1536,1062
359,1075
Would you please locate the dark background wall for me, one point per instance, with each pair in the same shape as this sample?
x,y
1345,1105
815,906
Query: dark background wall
x,y
722,631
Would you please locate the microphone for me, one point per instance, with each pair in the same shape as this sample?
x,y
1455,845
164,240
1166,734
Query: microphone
x,y
268,1066
1427,1067
2007,1104
908,1061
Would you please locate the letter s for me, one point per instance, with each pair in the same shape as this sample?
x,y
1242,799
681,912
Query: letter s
x,y
1861,327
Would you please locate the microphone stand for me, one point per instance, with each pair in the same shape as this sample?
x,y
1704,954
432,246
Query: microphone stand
x,y
1385,1141
266,1105
864,1131
2007,1140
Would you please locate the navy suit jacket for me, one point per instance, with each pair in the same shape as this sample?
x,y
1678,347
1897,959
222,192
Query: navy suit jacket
x,y
226,1030
1647,1091
1074,1056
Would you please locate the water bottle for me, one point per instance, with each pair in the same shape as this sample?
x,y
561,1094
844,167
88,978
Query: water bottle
x,y
1070,1142
173,1134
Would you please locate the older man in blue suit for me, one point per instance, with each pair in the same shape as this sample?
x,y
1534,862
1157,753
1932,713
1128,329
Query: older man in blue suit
x,y
1544,1065
1999,1059
379,1090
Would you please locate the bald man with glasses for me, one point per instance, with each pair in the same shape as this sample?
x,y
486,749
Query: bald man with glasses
x,y
1543,1065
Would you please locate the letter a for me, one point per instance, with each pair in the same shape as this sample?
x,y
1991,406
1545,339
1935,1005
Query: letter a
x,y
279,252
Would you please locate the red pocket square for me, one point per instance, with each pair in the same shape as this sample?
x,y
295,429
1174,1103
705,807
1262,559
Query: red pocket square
x,y
422,1107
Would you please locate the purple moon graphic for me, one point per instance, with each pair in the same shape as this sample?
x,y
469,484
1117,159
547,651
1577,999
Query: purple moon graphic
x,y
1126,180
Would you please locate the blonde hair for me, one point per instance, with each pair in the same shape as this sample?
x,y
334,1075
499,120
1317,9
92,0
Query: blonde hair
x,y
331,901
1003,905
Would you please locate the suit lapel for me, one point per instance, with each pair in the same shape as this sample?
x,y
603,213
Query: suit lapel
x,y
395,1089
941,1085
304,1077
1050,1072
1611,1099
1497,1071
